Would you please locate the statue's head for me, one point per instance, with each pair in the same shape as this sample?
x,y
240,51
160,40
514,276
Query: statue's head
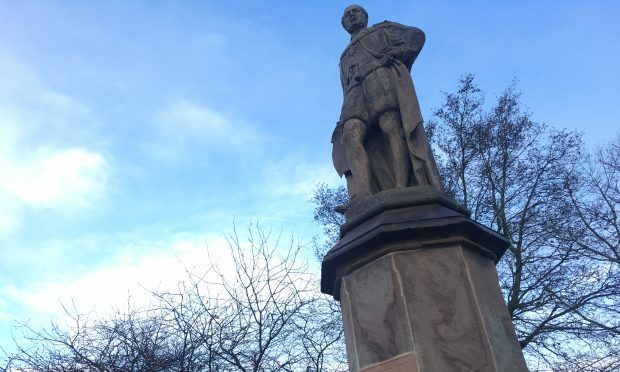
x,y
354,18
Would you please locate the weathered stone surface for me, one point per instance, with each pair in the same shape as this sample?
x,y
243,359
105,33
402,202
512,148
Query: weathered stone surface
x,y
401,363
416,276
376,323
406,219
493,312
449,335
442,305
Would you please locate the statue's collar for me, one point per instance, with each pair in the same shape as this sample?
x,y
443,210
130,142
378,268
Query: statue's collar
x,y
363,33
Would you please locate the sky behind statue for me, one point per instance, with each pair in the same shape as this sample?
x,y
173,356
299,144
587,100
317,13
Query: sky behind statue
x,y
133,134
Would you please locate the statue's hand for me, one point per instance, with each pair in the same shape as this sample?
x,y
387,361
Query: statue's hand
x,y
393,55
385,59
398,53
388,59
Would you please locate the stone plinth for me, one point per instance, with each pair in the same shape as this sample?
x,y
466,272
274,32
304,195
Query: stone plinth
x,y
418,287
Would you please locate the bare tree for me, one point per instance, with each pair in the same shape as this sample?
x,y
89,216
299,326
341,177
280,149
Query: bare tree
x,y
460,116
517,175
597,203
559,211
263,315
127,341
326,200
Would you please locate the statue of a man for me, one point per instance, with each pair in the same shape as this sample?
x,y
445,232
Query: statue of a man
x,y
379,142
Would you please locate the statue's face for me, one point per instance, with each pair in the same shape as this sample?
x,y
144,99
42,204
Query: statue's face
x,y
354,18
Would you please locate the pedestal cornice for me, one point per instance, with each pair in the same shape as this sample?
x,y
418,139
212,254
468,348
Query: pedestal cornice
x,y
400,220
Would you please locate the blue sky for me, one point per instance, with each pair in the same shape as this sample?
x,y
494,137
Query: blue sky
x,y
133,133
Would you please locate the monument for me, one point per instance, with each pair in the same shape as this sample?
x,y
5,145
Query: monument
x,y
415,276
379,142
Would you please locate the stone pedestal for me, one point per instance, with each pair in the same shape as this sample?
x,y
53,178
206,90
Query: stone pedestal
x,y
418,288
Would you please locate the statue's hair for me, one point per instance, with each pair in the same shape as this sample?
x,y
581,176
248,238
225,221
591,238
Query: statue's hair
x,y
352,6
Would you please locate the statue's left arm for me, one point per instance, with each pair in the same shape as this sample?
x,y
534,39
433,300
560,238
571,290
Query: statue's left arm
x,y
406,42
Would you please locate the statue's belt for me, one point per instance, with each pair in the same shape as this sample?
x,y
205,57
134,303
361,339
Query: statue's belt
x,y
361,73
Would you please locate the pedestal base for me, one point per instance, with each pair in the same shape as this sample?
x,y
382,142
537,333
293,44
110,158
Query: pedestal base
x,y
418,288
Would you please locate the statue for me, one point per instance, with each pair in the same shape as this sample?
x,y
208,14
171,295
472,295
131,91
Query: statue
x,y
379,142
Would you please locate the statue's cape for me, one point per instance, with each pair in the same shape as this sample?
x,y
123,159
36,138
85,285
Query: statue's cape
x,y
419,149
424,168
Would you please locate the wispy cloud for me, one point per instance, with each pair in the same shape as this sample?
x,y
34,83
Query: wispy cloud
x,y
41,163
156,265
296,175
67,180
56,178
184,125
285,188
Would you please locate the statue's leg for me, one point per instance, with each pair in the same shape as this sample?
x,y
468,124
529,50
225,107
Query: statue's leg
x,y
354,135
392,127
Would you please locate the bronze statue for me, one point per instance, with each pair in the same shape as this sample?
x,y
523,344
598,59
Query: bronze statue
x,y
379,142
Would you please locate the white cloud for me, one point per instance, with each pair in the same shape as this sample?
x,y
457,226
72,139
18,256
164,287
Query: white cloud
x,y
185,124
148,265
66,179
130,276
9,219
296,175
56,178
284,189
40,168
